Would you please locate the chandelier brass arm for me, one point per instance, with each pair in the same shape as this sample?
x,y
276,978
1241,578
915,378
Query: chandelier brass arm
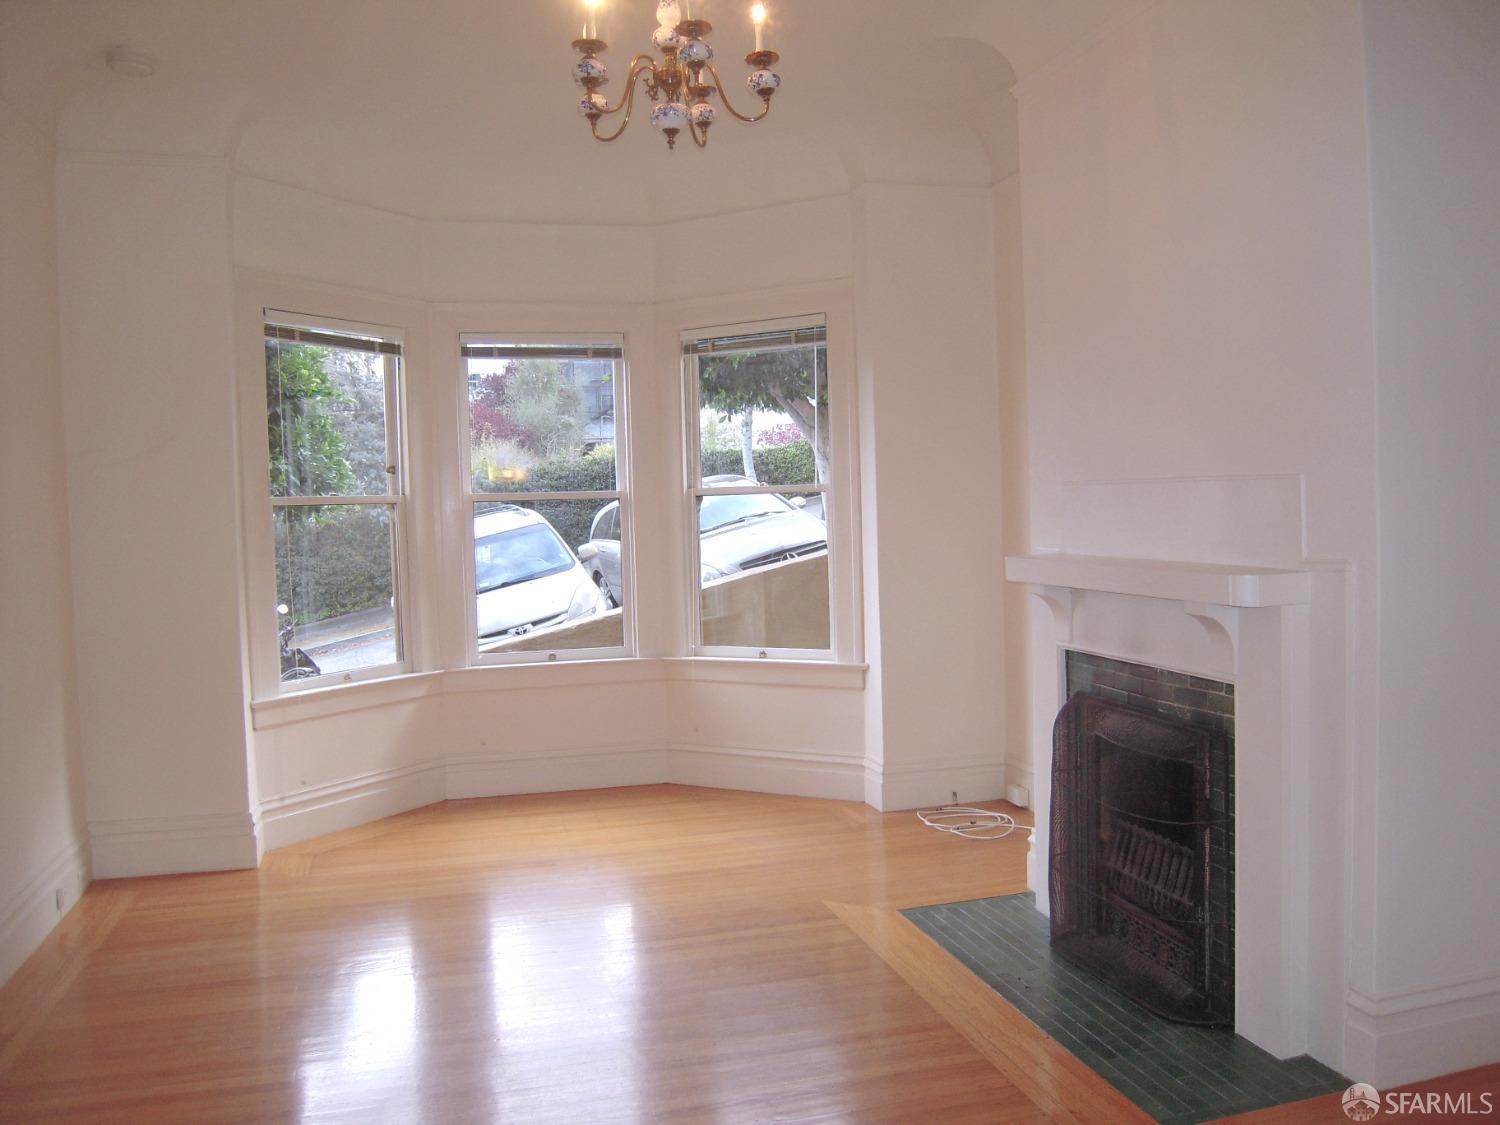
x,y
749,119
638,66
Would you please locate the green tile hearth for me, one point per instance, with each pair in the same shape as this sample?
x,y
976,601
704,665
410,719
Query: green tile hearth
x,y
1174,1072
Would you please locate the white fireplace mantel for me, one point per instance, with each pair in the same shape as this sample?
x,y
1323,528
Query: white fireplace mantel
x,y
1246,624
1241,587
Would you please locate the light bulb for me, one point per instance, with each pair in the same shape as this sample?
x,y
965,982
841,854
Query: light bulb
x,y
758,18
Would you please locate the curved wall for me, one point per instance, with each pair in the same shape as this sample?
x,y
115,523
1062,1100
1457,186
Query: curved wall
x,y
778,728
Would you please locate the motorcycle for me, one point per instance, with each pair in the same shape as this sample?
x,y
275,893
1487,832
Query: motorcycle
x,y
295,663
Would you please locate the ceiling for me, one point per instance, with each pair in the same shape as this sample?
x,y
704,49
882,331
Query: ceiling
x,y
464,109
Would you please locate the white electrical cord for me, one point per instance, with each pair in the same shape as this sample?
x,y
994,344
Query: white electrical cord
x,y
970,823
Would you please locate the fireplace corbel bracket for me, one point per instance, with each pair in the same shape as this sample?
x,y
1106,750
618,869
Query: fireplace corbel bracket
x,y
1059,601
1222,624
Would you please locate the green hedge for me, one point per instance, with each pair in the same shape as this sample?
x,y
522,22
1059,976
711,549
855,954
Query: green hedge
x,y
791,463
595,472
332,561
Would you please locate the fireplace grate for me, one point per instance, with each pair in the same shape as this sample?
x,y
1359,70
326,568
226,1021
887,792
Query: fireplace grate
x,y
1152,872
1133,824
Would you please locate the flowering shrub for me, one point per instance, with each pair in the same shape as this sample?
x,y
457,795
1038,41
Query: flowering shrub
x,y
783,433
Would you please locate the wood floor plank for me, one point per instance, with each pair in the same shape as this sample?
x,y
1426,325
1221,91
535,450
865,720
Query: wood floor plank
x,y
652,954
51,972
1329,1108
1050,1076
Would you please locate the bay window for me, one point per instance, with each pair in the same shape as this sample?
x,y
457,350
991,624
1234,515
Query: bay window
x,y
517,542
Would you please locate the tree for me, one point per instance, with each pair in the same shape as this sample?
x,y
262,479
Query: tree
x,y
359,416
307,450
793,382
531,403
325,411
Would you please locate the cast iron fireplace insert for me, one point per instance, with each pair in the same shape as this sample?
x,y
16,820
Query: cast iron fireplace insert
x,y
1131,863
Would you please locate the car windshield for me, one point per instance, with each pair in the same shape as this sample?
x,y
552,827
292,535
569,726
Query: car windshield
x,y
516,556
721,511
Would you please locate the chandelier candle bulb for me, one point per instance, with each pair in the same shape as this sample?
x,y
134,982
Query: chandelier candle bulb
x,y
591,22
758,18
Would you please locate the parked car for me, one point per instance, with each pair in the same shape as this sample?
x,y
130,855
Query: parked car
x,y
525,578
736,532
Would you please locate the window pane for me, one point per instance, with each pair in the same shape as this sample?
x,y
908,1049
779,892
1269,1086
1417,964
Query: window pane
x,y
532,592
763,573
325,413
334,575
541,425
763,417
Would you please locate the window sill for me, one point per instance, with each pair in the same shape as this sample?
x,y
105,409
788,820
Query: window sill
x,y
339,699
779,673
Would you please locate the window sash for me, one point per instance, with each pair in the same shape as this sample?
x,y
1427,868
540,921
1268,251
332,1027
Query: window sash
x,y
294,335
294,328
782,334
542,351
575,346
761,335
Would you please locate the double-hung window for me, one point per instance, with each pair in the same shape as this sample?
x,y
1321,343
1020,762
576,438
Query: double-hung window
x,y
759,474
333,425
551,566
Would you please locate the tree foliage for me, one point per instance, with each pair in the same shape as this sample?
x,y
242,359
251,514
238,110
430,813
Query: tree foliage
x,y
325,411
307,451
334,560
793,382
530,403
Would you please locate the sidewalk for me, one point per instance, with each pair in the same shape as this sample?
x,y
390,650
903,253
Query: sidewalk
x,y
351,626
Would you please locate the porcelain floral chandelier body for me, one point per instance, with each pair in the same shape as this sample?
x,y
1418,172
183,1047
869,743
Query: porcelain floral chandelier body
x,y
680,84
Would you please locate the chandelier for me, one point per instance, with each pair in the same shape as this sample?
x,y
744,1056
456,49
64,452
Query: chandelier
x,y
680,84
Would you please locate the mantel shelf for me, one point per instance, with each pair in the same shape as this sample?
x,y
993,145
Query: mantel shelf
x,y
1244,587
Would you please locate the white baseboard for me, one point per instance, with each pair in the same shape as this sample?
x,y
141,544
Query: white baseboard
x,y
32,912
934,783
598,768
1019,775
791,773
169,845
1407,1037
319,810
293,817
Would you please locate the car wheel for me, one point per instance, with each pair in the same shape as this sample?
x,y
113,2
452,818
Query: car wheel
x,y
609,597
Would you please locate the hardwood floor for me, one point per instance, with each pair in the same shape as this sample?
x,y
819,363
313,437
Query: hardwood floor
x,y
650,954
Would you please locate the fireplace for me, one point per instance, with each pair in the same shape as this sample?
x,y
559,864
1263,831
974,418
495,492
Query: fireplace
x,y
1141,867
1276,636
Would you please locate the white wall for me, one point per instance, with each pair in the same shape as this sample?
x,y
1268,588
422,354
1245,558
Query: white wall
x,y
1199,350
1434,96
42,833
1015,524
147,359
931,472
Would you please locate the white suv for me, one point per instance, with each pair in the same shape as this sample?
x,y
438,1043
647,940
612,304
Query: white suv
x,y
525,578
